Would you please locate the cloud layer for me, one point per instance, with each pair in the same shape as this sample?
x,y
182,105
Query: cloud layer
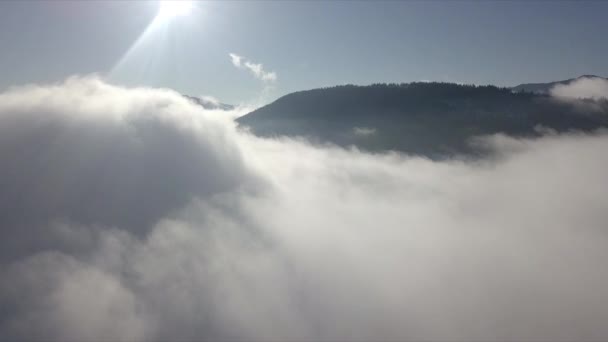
x,y
583,88
256,69
133,214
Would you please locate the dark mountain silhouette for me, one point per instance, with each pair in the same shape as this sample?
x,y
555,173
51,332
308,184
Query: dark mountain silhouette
x,y
211,105
431,119
544,88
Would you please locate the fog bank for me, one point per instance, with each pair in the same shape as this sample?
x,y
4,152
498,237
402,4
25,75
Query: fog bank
x,y
133,214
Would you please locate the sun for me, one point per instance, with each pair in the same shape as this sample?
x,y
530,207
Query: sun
x,y
174,8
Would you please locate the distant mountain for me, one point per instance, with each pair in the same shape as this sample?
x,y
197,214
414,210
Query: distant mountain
x,y
430,119
544,88
209,104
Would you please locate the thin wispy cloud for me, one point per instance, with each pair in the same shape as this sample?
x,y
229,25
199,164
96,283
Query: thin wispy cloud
x,y
256,69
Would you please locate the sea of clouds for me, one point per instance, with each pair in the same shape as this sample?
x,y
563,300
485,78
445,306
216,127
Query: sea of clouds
x,y
134,214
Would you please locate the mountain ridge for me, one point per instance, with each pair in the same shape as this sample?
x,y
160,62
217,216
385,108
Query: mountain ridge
x,y
209,104
433,119
544,88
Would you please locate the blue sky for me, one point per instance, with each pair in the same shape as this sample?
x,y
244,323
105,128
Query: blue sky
x,y
306,44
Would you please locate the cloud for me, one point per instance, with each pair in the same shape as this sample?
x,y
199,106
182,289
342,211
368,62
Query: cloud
x,y
364,131
132,214
93,153
582,88
257,69
210,99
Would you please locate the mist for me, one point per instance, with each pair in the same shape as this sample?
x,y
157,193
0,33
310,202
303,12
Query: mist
x,y
586,88
134,214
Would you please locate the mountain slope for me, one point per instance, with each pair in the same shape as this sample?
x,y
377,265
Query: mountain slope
x,y
431,119
544,88
209,104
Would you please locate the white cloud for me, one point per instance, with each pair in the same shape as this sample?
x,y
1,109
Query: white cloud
x,y
582,88
236,60
149,218
210,99
257,69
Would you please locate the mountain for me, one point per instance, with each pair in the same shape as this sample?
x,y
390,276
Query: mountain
x,y
209,104
436,120
544,88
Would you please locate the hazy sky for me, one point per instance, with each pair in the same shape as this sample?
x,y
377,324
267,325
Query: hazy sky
x,y
306,44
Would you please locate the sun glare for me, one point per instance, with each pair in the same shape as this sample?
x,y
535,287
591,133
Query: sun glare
x,y
174,8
